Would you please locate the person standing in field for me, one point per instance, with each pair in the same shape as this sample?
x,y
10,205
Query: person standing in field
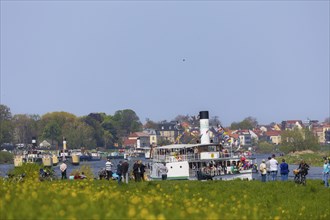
x,y
143,170
273,168
63,168
268,168
125,167
284,167
326,170
263,170
108,168
137,171
119,171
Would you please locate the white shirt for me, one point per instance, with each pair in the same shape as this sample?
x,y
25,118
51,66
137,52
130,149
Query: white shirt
x,y
273,164
63,167
108,165
262,168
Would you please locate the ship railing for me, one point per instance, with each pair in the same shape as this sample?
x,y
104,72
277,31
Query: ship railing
x,y
168,158
189,157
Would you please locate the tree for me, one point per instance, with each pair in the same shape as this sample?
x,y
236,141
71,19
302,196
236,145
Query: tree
x,y
51,125
264,147
214,121
110,132
150,124
53,132
248,123
298,140
97,128
163,141
6,126
79,134
26,127
126,121
192,121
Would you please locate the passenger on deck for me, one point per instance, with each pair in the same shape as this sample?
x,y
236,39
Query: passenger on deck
x,y
226,153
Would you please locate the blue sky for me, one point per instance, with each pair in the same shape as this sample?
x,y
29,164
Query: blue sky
x,y
268,60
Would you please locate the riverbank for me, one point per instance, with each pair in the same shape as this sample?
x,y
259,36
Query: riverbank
x,y
101,199
310,157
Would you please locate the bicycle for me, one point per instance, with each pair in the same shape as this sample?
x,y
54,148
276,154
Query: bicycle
x,y
300,177
48,175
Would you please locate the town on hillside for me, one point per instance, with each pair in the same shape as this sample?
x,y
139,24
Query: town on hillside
x,y
123,130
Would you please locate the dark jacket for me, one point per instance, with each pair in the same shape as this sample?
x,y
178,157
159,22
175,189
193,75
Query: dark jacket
x,y
125,166
119,169
284,168
143,167
303,167
137,168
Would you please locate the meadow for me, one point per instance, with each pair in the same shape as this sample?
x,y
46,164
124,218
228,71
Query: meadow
x,y
102,199
310,157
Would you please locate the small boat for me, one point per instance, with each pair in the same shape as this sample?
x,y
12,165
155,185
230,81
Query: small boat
x,y
18,160
75,159
30,156
55,160
85,157
93,156
47,160
115,155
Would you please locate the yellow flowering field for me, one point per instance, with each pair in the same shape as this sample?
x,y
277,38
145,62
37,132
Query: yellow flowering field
x,y
102,199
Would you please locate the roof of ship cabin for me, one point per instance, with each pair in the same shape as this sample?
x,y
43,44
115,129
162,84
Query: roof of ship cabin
x,y
180,146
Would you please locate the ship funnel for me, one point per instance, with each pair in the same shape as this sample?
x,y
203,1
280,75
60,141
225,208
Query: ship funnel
x,y
204,127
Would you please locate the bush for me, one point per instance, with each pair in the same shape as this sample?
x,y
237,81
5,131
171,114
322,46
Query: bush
x,y
6,157
265,147
84,168
30,170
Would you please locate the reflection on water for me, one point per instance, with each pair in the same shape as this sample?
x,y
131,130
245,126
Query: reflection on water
x,y
313,173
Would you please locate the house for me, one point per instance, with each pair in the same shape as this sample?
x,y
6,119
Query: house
x,y
169,130
322,132
245,137
137,140
291,124
273,137
153,134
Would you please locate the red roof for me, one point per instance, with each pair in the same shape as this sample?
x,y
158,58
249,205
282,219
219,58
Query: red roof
x,y
139,134
130,142
293,121
273,133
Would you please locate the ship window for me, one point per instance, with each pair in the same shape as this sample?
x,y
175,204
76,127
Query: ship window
x,y
180,166
171,167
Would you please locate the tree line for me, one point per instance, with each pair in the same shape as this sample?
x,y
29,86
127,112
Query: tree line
x,y
95,129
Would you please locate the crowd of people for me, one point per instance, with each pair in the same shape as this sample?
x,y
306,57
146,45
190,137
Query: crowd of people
x,y
122,172
269,170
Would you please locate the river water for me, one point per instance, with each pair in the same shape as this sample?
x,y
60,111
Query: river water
x,y
313,173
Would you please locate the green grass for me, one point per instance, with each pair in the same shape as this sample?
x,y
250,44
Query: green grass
x,y
101,199
6,157
313,159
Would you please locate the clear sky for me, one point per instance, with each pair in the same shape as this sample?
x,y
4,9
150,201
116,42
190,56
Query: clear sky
x,y
268,60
